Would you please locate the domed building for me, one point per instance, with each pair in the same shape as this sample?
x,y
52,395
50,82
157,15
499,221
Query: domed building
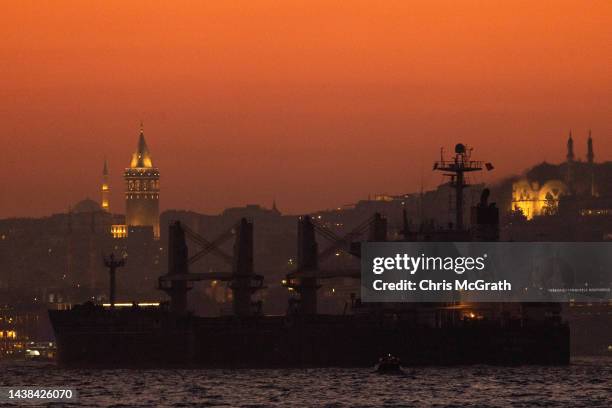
x,y
540,191
88,215
533,199
86,206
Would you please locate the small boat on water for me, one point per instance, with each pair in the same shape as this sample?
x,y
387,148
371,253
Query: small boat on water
x,y
389,365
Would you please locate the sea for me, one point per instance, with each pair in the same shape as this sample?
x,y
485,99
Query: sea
x,y
587,382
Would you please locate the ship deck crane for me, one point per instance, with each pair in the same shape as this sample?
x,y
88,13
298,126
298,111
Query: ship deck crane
x,y
304,279
243,281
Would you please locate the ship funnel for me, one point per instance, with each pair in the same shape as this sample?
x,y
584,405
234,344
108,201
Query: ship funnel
x,y
485,219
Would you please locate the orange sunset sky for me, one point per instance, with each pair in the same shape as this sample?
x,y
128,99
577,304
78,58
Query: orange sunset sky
x,y
315,103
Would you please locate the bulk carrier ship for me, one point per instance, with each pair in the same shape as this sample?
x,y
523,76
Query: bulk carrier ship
x,y
417,333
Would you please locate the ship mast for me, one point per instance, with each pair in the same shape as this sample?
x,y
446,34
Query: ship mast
x,y
112,264
456,169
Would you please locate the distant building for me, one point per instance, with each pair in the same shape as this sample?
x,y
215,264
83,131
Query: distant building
x,y
142,189
532,199
58,259
541,190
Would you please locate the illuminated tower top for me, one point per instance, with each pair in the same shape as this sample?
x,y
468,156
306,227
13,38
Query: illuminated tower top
x,y
141,158
142,189
105,190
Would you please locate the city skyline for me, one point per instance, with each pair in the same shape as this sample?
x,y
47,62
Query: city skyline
x,y
385,202
112,190
313,104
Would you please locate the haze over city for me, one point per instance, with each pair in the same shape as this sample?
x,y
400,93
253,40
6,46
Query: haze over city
x,y
314,104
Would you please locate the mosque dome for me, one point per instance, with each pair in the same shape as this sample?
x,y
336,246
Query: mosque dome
x,y
86,206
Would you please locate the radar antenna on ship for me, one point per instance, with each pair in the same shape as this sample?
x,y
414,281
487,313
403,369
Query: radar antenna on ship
x,y
456,168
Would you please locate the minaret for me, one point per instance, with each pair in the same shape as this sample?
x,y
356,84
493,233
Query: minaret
x,y
142,189
69,247
569,180
590,152
570,148
591,160
105,190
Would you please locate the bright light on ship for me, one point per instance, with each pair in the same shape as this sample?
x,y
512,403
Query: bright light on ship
x,y
141,304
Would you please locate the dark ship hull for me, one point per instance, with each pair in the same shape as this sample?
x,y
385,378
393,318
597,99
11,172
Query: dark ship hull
x,y
136,337
170,336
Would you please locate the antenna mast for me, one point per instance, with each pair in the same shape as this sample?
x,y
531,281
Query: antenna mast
x,y
112,264
456,169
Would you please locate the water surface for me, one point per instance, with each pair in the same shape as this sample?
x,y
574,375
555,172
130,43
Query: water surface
x,y
585,383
